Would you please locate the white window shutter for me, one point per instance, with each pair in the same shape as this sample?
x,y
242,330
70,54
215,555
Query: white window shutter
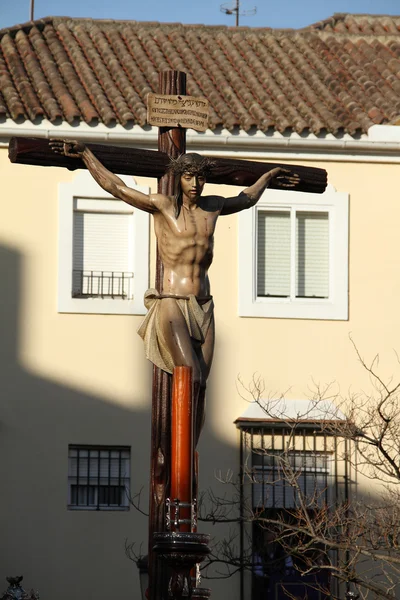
x,y
312,254
101,253
273,253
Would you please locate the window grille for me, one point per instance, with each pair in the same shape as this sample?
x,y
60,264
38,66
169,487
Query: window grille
x,y
272,453
279,480
98,477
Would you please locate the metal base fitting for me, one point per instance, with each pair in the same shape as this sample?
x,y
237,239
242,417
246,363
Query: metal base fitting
x,y
173,510
181,551
200,593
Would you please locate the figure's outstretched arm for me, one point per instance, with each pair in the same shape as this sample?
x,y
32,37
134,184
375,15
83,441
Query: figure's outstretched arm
x,y
251,195
110,182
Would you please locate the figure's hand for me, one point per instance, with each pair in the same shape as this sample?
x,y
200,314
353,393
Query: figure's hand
x,y
72,149
284,177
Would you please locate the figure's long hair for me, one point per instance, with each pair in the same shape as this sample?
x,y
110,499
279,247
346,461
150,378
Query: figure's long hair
x,y
194,164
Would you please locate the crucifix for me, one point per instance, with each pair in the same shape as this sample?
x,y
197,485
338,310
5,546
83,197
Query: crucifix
x,y
179,328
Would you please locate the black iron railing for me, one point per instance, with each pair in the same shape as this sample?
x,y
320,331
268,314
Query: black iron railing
x,y
102,284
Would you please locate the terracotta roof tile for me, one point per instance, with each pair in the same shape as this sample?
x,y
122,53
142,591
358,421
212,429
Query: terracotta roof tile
x,y
208,76
320,98
13,105
339,74
254,96
102,81
117,69
37,77
228,80
20,78
68,75
84,70
360,24
67,105
201,85
358,78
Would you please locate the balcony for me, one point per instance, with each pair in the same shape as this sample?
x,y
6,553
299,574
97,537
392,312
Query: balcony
x,y
102,284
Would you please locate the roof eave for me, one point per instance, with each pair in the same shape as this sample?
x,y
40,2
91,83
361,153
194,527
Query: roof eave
x,y
382,140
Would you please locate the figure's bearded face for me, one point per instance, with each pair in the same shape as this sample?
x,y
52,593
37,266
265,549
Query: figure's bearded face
x,y
192,185
191,163
185,168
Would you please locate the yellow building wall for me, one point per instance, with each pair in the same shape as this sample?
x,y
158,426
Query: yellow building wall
x,y
71,378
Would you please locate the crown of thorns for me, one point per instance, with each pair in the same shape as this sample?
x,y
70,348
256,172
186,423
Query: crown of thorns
x,y
194,164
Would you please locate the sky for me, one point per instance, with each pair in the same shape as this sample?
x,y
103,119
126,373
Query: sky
x,y
269,13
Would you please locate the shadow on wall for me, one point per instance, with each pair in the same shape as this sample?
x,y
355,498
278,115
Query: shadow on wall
x,y
61,553
66,554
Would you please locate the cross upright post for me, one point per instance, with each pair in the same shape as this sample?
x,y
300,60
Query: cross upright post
x,y
172,141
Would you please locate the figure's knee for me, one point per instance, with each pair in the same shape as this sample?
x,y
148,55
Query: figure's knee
x,y
198,379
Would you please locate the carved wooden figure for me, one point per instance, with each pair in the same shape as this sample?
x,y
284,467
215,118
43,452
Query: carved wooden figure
x,y
179,327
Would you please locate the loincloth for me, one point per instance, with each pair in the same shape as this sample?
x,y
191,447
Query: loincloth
x,y
197,312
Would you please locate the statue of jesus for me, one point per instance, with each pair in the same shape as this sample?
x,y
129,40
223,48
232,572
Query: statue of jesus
x,y
178,329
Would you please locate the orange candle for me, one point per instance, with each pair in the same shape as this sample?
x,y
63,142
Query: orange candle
x,y
182,443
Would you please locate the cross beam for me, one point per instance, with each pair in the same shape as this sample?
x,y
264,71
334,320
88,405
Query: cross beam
x,y
153,163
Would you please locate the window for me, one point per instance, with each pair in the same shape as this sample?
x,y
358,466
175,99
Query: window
x,y
103,250
101,258
281,480
98,478
297,246
290,467
271,488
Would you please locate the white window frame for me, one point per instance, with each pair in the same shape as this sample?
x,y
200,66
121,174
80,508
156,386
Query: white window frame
x,y
336,204
75,194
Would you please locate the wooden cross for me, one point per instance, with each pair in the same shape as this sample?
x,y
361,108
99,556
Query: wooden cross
x,y
171,144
